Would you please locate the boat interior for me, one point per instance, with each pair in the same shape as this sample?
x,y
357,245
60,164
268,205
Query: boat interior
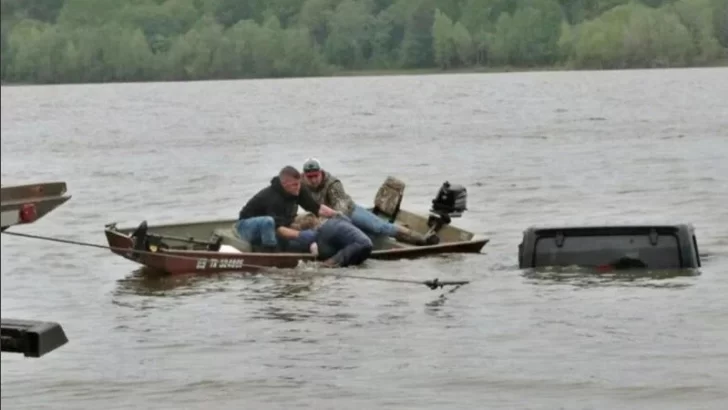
x,y
221,235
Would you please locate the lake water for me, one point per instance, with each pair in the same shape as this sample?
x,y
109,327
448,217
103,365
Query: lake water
x,y
532,149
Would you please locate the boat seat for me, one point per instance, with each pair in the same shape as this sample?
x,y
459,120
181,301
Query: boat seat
x,y
230,237
389,197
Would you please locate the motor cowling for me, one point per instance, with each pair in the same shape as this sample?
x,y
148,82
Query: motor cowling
x,y
451,200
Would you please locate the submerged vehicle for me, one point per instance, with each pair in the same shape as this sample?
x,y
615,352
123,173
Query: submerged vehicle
x,y
215,246
610,247
25,204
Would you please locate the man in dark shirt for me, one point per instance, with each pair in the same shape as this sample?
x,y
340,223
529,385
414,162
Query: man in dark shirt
x,y
267,216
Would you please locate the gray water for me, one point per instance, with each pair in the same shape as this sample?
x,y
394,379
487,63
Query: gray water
x,y
532,149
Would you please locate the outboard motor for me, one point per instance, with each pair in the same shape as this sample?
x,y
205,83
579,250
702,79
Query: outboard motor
x,y
140,237
145,242
450,202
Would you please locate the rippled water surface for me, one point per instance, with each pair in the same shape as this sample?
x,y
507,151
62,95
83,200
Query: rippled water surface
x,y
532,149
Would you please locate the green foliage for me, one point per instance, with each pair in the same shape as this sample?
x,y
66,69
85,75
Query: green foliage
x,y
720,21
482,15
577,11
84,13
48,41
442,40
416,48
529,36
632,35
696,16
349,42
41,10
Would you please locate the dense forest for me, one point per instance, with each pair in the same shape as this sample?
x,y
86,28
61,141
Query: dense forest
x,y
54,41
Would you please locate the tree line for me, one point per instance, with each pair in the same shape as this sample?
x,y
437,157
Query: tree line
x,y
54,41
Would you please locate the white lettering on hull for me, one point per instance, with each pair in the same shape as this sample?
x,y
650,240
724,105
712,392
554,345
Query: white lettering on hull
x,y
223,263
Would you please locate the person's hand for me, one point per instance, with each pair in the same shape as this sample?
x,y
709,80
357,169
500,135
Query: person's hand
x,y
307,236
314,249
327,212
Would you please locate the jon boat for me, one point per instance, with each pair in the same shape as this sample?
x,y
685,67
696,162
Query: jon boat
x,y
214,246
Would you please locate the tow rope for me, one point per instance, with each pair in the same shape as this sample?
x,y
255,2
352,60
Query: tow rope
x,y
432,284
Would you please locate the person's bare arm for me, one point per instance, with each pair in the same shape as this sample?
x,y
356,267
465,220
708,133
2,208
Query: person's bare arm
x,y
287,233
327,212
308,203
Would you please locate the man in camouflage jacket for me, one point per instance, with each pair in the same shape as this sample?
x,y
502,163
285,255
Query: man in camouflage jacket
x,y
328,190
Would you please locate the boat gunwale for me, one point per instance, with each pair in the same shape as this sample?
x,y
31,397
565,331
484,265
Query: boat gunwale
x,y
111,230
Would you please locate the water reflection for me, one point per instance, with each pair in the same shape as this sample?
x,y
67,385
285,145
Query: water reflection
x,y
435,307
284,313
142,282
301,298
280,290
276,284
281,295
585,277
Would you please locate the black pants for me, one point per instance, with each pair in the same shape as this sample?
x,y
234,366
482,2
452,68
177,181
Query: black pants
x,y
339,239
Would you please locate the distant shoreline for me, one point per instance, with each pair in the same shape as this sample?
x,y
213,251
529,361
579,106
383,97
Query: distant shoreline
x,y
433,71
394,72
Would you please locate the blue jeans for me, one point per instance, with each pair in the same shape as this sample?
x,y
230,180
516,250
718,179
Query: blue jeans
x,y
258,230
370,223
343,242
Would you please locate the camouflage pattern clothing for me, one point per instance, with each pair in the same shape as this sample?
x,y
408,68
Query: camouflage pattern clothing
x,y
331,193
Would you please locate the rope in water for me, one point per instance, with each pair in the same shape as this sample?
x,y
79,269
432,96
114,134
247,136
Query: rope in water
x,y
432,284
93,245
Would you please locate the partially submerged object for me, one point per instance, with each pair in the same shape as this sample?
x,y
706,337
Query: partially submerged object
x,y
25,204
215,246
32,338
610,247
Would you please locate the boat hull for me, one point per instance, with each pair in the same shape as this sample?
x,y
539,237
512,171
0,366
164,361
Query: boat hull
x,y
24,204
174,261
184,261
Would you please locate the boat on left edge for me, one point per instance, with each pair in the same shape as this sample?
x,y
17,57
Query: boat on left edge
x,y
214,246
21,205
24,204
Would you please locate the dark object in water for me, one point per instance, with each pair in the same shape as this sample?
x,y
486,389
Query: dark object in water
x,y
628,263
618,247
30,337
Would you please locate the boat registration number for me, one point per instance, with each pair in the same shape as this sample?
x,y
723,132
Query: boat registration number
x,y
205,263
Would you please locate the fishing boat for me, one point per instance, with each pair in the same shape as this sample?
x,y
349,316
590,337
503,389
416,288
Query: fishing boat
x,y
214,246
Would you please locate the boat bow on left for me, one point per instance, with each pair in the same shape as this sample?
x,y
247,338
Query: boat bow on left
x,y
25,204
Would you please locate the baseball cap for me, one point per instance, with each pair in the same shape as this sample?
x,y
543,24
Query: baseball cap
x,y
311,165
